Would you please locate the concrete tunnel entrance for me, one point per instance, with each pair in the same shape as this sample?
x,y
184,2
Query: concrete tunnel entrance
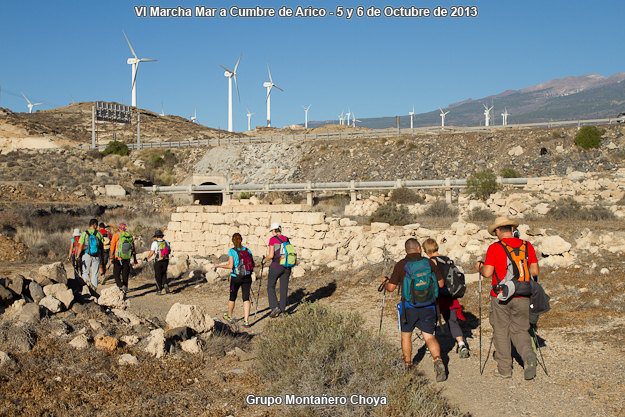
x,y
209,199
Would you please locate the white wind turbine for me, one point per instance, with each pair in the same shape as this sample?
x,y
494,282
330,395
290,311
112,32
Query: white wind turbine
x,y
487,114
269,85
230,75
134,62
347,115
505,115
354,120
443,113
31,105
162,109
411,114
194,117
306,115
341,119
249,119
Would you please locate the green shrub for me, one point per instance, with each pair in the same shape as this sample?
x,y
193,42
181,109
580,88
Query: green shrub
x,y
569,209
440,208
589,137
94,154
411,146
323,147
400,142
324,351
116,147
482,184
245,195
392,214
510,173
479,214
405,195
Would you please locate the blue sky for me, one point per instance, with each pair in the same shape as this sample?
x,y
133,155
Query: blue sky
x,y
378,66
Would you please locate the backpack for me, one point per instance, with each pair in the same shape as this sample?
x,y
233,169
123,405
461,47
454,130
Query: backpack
x,y
455,285
92,244
288,257
246,263
518,272
75,240
106,240
124,245
419,287
163,250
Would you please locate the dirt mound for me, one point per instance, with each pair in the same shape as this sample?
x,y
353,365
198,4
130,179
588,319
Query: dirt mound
x,y
11,250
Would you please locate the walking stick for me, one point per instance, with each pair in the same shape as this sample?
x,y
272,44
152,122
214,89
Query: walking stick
x,y
479,285
381,288
262,266
535,340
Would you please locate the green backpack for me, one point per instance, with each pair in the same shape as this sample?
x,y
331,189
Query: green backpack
x,y
125,245
419,287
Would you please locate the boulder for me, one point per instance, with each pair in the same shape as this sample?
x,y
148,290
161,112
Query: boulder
x,y
177,268
377,227
106,343
60,292
181,315
36,292
297,271
156,343
516,151
53,273
179,334
112,297
6,296
211,275
14,310
127,359
130,340
191,346
126,316
5,359
52,304
30,313
553,245
115,190
80,342
16,284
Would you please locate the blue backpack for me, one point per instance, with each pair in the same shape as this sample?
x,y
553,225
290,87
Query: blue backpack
x,y
92,245
419,287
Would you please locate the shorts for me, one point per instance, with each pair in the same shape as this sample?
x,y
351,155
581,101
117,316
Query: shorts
x,y
422,318
245,283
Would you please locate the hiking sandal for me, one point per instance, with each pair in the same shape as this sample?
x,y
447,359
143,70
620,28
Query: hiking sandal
x,y
439,368
409,365
228,318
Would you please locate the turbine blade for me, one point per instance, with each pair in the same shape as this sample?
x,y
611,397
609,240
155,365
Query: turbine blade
x,y
226,69
131,48
273,85
26,98
134,79
270,80
36,104
268,93
237,65
237,86
147,60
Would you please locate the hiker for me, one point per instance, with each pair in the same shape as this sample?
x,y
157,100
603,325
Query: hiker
x,y
160,249
419,279
122,249
106,241
74,257
91,246
277,272
509,296
241,265
449,307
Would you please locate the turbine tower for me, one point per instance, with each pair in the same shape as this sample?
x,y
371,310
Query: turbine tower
x,y
230,75
306,117
162,109
341,119
347,115
354,119
443,113
31,105
505,115
269,85
194,117
411,114
134,62
487,114
249,119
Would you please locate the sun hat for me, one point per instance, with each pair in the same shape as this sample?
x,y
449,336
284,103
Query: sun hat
x,y
501,221
158,233
123,227
76,232
274,226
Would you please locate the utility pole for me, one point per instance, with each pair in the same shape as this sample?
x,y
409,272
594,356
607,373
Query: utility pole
x,y
92,127
138,130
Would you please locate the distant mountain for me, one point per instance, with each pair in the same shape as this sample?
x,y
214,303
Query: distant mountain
x,y
578,97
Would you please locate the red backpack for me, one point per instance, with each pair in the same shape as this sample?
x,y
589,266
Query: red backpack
x,y
246,263
75,247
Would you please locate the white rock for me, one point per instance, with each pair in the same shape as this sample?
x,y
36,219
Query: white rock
x,y
52,304
112,297
191,346
60,292
156,343
80,342
52,273
516,151
553,245
127,316
298,271
177,268
130,340
115,190
604,271
5,359
190,316
14,310
375,255
127,359
541,209
377,227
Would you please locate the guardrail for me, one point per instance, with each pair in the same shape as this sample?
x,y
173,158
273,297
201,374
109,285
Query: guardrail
x,y
351,187
346,135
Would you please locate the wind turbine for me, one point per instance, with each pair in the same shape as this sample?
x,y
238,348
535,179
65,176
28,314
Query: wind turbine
x,y
341,119
72,97
505,115
194,117
347,115
31,105
135,67
249,119
443,113
230,75
269,85
411,113
162,109
306,117
487,114
354,120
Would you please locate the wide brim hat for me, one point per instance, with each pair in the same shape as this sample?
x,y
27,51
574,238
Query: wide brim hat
x,y
158,233
274,226
501,221
76,232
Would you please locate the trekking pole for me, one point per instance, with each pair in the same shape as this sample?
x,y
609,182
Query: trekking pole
x,y
479,285
262,266
381,288
542,359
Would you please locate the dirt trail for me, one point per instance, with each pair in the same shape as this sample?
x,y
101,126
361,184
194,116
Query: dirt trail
x,y
585,378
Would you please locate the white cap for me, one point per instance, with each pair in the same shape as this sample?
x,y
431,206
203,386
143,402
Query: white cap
x,y
76,232
274,226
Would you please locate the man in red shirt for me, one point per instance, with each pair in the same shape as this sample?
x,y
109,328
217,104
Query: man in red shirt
x,y
511,262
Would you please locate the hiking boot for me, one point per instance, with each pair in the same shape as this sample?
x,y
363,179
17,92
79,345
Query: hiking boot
x,y
500,375
225,316
275,313
124,289
439,368
246,324
463,352
530,366
167,289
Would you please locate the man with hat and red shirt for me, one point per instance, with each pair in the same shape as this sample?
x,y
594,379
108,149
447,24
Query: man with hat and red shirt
x,y
512,263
